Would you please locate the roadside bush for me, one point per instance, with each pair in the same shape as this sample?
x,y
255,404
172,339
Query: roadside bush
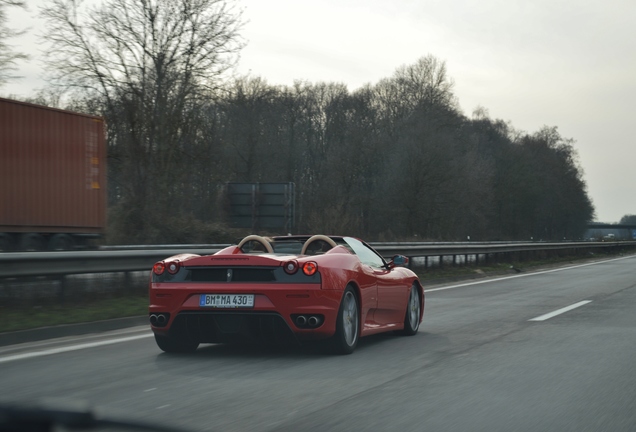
x,y
125,226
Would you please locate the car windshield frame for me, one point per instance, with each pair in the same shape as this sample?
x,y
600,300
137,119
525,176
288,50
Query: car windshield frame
x,y
365,253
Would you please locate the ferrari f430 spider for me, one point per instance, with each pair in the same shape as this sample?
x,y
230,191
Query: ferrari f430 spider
x,y
283,289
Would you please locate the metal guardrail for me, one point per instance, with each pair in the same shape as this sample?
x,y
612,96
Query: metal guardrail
x,y
450,249
25,264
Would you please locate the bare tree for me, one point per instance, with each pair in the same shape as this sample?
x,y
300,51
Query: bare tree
x,y
425,81
151,63
248,106
8,57
141,45
628,219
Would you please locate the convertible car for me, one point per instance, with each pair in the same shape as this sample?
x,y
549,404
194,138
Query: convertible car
x,y
283,289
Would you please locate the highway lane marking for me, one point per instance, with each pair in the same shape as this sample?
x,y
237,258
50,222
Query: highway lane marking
x,y
560,311
523,275
69,348
76,338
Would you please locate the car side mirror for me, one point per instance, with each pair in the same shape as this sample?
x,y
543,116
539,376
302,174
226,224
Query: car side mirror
x,y
398,261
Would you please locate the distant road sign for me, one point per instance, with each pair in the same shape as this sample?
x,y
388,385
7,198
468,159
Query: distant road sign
x,y
261,205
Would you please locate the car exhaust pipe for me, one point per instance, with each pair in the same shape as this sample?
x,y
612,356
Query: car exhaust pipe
x,y
301,321
312,321
153,319
161,319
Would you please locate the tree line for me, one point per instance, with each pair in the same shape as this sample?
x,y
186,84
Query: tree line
x,y
392,160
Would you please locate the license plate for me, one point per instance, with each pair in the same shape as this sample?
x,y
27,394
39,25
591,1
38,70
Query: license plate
x,y
227,300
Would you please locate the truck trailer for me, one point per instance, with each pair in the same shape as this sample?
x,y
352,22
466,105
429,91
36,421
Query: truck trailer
x,y
52,178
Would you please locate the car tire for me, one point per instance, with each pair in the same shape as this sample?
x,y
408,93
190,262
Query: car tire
x,y
347,324
413,311
173,345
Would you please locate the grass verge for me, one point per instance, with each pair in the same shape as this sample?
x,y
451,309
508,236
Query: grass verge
x,y
24,318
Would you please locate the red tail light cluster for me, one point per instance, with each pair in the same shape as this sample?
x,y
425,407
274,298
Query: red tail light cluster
x,y
310,268
159,268
173,267
291,267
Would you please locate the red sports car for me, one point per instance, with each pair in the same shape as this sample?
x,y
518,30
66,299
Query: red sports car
x,y
279,289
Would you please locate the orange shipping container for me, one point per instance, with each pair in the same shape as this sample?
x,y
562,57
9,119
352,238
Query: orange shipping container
x,y
52,176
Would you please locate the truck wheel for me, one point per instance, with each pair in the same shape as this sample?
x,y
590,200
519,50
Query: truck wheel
x,y
6,242
61,242
31,242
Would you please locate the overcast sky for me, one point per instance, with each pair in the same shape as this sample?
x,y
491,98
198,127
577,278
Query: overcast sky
x,y
570,64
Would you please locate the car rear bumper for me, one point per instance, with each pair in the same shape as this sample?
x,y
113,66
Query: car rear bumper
x,y
272,319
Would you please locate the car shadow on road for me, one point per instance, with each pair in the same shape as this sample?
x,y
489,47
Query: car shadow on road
x,y
313,349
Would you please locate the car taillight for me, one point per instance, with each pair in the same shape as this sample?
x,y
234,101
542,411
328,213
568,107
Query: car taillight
x,y
173,267
309,268
290,267
159,268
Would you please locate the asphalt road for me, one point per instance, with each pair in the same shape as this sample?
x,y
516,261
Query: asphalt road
x,y
487,358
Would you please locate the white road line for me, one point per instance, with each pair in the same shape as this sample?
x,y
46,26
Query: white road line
x,y
70,348
73,339
560,311
521,275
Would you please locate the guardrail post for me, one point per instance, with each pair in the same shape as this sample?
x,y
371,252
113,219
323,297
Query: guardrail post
x,y
61,292
128,284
